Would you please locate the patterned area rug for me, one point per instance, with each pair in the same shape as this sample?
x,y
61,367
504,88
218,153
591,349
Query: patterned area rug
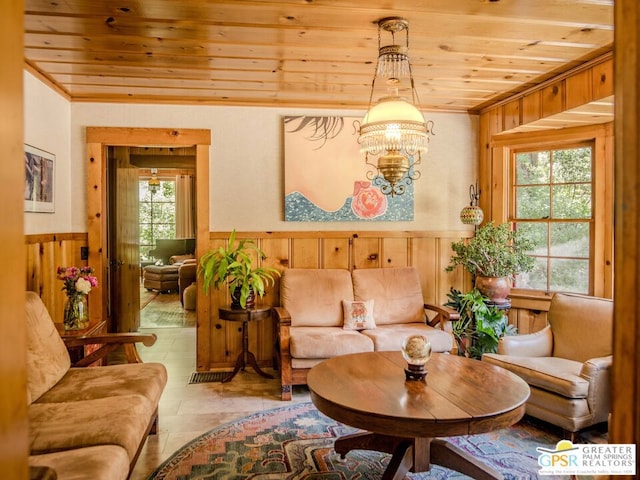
x,y
296,442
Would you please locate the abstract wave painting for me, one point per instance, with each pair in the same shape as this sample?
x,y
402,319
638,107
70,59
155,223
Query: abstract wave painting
x,y
326,175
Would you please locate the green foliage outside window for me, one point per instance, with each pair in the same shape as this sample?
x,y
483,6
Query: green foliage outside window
x,y
553,196
157,215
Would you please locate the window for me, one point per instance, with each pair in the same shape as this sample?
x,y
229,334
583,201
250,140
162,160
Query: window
x,y
157,215
552,203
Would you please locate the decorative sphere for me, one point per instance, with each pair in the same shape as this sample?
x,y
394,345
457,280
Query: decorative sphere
x,y
471,215
416,349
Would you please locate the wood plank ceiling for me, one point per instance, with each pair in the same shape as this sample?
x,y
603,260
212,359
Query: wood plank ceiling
x,y
465,54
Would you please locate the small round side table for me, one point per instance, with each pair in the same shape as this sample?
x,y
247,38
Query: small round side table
x,y
245,316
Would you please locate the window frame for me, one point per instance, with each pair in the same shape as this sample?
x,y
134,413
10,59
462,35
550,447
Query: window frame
x,y
549,221
142,180
499,204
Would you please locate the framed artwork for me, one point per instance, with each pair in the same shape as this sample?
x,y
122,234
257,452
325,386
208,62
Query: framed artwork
x,y
39,176
326,175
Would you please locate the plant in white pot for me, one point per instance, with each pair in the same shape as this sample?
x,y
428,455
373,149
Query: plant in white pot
x,y
493,256
233,266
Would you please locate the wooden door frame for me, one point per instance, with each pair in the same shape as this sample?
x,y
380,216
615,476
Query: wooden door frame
x,y
98,139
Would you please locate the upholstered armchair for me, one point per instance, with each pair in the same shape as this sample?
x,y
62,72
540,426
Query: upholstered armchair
x,y
567,364
187,273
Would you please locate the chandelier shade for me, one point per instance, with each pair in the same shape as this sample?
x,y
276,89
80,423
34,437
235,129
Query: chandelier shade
x,y
393,134
393,124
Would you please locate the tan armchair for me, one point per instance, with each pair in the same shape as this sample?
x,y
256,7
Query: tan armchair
x,y
187,274
567,364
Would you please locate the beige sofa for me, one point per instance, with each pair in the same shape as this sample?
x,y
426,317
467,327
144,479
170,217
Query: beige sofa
x,y
310,323
87,422
567,364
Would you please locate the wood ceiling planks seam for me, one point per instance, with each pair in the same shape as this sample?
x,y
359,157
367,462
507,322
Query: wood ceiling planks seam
x,y
310,53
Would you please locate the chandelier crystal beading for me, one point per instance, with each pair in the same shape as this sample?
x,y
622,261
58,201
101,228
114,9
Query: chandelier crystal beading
x,y
394,133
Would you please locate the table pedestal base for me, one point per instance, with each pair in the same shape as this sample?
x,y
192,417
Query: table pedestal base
x,y
416,454
241,363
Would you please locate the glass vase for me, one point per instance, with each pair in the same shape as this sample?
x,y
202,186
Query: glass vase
x,y
76,314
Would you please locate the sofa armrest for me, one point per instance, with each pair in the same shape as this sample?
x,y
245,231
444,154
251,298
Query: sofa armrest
x,y
282,316
538,344
282,353
108,343
594,367
442,316
597,371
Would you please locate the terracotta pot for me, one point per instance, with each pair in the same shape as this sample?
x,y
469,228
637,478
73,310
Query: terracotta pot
x,y
495,288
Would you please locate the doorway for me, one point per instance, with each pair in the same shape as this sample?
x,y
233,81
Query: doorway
x,y
98,140
166,225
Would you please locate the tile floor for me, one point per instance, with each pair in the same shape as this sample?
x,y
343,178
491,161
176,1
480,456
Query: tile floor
x,y
187,411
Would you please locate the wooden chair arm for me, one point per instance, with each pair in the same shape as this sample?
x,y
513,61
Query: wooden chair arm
x,y
147,339
443,314
110,342
282,316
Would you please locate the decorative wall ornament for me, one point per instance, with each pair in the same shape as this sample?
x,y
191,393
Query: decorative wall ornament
x,y
472,214
325,178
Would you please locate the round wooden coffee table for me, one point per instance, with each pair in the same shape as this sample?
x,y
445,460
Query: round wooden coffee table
x,y
458,397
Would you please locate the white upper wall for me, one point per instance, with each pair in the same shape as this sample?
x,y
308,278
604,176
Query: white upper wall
x,y
47,127
247,164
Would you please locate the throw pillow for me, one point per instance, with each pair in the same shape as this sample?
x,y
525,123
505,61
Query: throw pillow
x,y
358,315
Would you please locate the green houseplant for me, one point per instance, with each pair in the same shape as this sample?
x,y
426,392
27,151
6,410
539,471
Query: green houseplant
x,y
481,324
233,266
493,256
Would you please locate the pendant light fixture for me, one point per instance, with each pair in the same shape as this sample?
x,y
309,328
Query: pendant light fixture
x,y
393,134
154,182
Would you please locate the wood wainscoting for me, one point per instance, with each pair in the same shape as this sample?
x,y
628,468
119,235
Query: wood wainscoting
x,y
45,253
219,341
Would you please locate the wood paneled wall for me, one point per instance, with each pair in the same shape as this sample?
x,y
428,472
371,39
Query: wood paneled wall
x,y
591,83
14,434
219,341
625,419
45,253
428,251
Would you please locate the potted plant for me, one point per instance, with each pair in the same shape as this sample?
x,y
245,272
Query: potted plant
x,y
481,324
233,266
493,256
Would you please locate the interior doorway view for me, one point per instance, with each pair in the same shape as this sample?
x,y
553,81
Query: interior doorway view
x,y
151,225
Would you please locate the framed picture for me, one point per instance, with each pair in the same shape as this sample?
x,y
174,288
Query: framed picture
x,y
39,176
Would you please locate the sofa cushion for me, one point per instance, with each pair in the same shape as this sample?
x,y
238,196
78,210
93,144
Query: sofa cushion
x,y
390,337
146,379
47,357
572,414
104,462
358,315
326,342
314,297
396,291
554,374
119,421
